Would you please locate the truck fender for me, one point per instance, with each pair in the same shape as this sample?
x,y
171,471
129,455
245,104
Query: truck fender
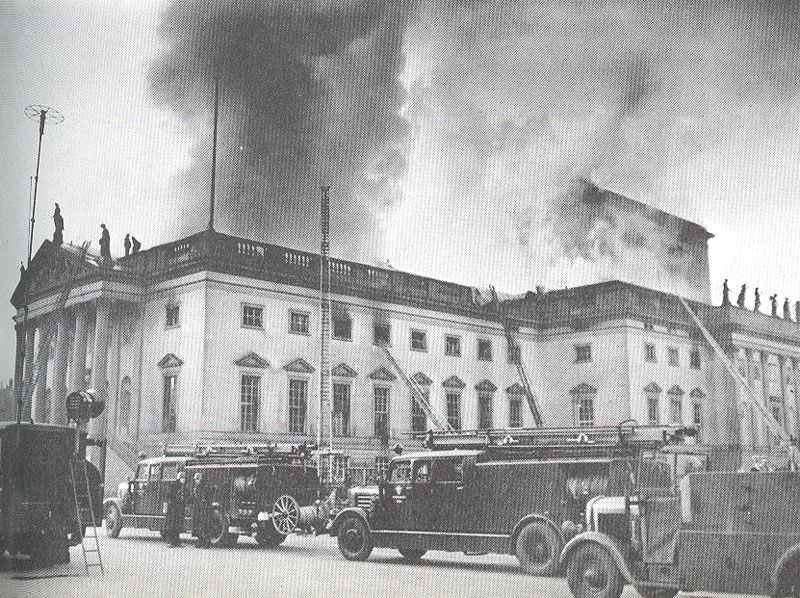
x,y
534,517
789,560
611,545
113,500
333,526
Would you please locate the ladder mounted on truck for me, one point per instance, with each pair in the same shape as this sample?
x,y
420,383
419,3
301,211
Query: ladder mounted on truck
x,y
84,511
259,452
749,395
418,395
515,355
625,439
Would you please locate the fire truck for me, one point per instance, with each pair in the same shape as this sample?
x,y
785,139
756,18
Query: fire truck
x,y
519,491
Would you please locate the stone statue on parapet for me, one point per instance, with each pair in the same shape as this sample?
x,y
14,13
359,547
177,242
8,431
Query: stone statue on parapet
x,y
105,244
137,245
757,302
127,244
787,312
773,299
726,293
58,222
740,298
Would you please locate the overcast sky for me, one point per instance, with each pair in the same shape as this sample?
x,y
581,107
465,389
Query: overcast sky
x,y
446,130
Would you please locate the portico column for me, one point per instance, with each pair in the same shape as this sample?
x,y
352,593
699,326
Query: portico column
x,y
78,371
19,364
97,426
58,408
27,376
42,356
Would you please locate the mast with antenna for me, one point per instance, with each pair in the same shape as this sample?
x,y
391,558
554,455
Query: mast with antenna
x,y
325,416
214,154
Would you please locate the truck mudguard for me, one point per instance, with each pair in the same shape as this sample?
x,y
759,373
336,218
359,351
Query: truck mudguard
x,y
606,542
534,517
787,564
333,526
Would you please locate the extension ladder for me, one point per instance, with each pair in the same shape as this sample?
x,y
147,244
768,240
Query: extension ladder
x,y
84,509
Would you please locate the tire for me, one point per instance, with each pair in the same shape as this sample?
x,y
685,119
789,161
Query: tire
x,y
267,537
656,592
592,573
217,528
354,539
538,548
788,581
412,555
113,520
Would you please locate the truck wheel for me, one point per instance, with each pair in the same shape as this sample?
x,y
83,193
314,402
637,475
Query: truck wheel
x,y
354,539
113,520
592,573
412,555
267,537
788,579
655,592
538,549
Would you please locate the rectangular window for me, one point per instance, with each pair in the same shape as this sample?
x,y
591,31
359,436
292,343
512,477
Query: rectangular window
x,y
515,412
454,410
419,421
652,409
513,352
650,352
299,322
252,316
341,409
381,334
485,419
697,414
173,316
250,396
694,359
343,329
674,358
675,409
484,350
583,353
168,415
419,340
452,345
298,402
381,411
584,409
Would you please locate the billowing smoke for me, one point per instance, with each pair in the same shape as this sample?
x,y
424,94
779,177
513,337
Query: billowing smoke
x,y
310,96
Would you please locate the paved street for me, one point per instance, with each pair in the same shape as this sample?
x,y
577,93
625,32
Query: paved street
x,y
139,564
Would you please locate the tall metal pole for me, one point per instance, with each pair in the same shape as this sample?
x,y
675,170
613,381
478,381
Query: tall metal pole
x,y
214,154
325,410
43,114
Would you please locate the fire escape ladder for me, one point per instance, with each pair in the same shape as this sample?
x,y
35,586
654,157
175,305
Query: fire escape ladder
x,y
418,395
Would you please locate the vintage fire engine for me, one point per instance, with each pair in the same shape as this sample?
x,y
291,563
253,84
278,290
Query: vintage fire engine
x,y
732,532
519,492
262,490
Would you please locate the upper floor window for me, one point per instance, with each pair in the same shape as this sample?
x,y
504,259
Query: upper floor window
x,y
173,315
673,355
676,408
381,411
169,404
694,359
650,352
419,421
452,345
381,334
299,322
485,417
515,412
484,349
583,353
583,397
343,329
252,316
419,340
454,410
298,403
341,409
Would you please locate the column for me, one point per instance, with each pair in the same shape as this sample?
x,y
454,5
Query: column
x,y
27,374
39,405
796,384
97,426
19,364
58,408
79,349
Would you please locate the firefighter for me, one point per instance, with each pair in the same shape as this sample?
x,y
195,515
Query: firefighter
x,y
201,514
174,512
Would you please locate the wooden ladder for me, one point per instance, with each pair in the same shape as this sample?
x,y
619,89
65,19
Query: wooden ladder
x,y
84,509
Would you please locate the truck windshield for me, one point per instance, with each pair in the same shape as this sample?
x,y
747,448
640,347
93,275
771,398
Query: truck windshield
x,y
400,472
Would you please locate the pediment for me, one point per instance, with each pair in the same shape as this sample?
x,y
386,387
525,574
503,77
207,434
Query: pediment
x,y
675,390
697,394
421,379
300,366
485,386
583,388
382,374
652,387
252,360
344,371
170,360
454,382
516,389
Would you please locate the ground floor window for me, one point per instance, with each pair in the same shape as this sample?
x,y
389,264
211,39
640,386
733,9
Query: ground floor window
x,y
341,409
170,399
419,421
676,409
454,410
485,419
584,409
515,412
381,411
652,409
697,414
249,399
298,403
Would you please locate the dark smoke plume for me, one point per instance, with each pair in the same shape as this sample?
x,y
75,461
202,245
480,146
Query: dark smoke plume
x,y
309,95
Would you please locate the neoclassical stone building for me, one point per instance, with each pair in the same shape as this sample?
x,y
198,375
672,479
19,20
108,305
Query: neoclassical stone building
x,y
218,337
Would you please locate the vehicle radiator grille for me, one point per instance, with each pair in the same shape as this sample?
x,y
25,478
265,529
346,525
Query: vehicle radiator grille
x,y
364,501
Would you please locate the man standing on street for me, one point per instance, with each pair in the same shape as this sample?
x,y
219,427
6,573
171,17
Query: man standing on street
x,y
174,512
201,510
